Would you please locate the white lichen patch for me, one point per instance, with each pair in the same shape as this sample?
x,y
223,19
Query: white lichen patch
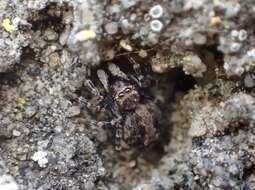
x,y
156,25
156,11
41,158
8,183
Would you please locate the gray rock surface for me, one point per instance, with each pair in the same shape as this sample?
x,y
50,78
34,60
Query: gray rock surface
x,y
50,139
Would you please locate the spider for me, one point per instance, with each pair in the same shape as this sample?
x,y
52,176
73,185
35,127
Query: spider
x,y
135,116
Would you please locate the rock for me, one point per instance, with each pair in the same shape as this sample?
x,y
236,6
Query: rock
x,y
73,111
111,28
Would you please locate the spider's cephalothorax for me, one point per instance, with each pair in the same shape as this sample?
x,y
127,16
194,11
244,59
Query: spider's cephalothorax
x,y
126,95
135,116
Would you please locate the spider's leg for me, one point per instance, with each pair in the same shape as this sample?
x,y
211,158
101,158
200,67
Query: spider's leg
x,y
141,80
136,66
115,111
96,93
116,123
90,86
116,71
137,77
83,101
118,132
103,78
118,136
135,80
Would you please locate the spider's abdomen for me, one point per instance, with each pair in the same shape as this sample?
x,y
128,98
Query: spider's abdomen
x,y
141,127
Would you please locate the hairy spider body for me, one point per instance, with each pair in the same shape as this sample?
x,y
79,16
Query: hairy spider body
x,y
135,117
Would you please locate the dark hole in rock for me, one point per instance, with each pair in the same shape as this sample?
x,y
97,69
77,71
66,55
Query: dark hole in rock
x,y
9,78
49,17
162,90
170,84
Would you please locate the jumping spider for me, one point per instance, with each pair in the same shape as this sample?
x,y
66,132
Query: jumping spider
x,y
135,116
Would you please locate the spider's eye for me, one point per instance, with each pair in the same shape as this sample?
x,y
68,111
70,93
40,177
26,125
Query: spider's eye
x,y
121,95
127,89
